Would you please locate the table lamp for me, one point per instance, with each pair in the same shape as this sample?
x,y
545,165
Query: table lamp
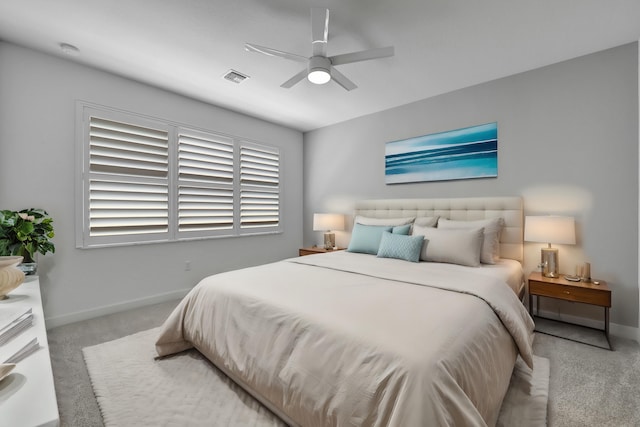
x,y
550,229
326,223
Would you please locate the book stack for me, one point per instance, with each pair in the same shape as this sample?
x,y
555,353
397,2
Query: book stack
x,y
13,323
24,351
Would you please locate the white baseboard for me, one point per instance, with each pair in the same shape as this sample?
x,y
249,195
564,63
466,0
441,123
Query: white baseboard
x,y
78,316
621,331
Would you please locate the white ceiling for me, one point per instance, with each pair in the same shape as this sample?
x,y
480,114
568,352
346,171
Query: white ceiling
x,y
186,46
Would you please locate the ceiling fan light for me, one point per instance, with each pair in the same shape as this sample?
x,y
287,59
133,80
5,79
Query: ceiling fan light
x,y
319,67
319,76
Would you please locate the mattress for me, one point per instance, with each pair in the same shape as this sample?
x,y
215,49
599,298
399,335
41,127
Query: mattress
x,y
351,339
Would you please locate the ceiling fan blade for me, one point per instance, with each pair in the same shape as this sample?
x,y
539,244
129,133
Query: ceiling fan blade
x,y
249,47
319,30
342,80
364,55
295,79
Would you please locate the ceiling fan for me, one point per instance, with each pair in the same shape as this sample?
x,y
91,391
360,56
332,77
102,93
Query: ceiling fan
x,y
320,67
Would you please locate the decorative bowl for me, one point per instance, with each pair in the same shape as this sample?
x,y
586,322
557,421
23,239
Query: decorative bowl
x,y
9,260
10,276
5,369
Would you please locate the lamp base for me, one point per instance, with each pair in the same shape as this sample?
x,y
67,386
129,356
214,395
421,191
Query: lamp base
x,y
329,241
549,262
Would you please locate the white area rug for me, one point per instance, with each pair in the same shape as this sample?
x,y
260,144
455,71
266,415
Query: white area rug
x,y
187,390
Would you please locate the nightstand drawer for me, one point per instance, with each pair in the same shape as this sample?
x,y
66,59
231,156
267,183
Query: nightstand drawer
x,y
316,250
303,252
571,293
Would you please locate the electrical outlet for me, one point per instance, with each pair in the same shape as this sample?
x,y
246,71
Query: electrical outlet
x,y
187,266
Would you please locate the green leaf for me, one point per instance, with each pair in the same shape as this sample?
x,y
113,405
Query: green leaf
x,y
24,228
5,247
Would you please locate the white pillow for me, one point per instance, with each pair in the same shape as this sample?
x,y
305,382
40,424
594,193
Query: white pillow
x,y
461,246
364,220
492,229
426,221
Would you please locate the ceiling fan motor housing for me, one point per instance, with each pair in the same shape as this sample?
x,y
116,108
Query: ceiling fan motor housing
x,y
319,69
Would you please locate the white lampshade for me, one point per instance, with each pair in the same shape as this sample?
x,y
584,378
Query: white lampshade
x,y
326,222
550,229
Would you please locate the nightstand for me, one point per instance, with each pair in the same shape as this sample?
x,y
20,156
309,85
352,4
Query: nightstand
x,y
562,289
316,250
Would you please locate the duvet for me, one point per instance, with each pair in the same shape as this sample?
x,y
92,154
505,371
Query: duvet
x,y
347,339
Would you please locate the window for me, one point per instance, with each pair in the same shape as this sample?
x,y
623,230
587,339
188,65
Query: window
x,y
205,183
259,187
144,180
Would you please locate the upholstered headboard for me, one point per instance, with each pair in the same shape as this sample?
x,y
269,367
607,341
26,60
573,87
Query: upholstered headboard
x,y
461,209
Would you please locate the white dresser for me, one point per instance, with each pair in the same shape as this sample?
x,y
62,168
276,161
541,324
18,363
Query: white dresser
x,y
27,395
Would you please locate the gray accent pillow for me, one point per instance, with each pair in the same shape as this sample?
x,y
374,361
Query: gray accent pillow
x,y
365,220
426,221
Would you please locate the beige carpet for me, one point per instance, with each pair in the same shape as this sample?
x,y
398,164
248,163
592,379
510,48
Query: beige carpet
x,y
134,389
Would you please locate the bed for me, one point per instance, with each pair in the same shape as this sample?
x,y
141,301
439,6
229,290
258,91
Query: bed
x,y
352,339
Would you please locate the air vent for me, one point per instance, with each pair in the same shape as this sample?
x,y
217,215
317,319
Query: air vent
x,y
235,76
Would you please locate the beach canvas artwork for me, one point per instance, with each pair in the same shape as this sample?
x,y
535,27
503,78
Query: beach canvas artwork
x,y
457,154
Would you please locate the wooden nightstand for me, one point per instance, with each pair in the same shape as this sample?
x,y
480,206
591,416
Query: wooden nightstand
x,y
562,289
316,250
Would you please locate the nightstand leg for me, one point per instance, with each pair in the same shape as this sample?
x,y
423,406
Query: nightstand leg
x,y
606,327
537,305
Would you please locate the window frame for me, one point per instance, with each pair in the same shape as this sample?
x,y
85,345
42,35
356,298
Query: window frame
x,y
84,112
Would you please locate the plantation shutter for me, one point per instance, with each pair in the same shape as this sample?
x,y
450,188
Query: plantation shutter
x,y
146,180
128,186
205,182
259,187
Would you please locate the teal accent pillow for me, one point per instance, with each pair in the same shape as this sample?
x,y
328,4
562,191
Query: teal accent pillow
x,y
399,246
366,238
401,229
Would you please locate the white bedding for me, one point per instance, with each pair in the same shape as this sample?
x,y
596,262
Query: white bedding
x,y
507,270
350,339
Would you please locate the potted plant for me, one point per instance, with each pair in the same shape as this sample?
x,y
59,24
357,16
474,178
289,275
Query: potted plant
x,y
26,233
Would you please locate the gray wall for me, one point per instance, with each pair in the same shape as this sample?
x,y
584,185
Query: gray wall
x,y
37,123
568,143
